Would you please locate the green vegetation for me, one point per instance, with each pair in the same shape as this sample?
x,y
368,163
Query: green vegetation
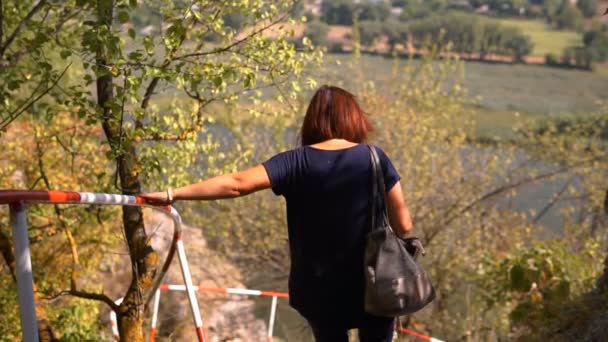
x,y
545,39
469,34
506,30
89,110
500,87
83,90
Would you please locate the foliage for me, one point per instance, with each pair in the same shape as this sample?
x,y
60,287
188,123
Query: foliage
x,y
570,17
596,41
76,321
467,33
594,50
317,31
369,32
338,12
551,9
59,153
545,38
374,10
193,52
587,7
396,33
417,9
542,283
520,46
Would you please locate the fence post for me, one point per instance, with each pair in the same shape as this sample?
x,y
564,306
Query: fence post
x,y
25,279
273,310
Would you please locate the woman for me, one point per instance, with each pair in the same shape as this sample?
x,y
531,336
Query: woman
x,y
327,186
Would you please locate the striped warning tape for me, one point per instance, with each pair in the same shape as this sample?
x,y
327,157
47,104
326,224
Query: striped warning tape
x,y
419,335
245,292
228,290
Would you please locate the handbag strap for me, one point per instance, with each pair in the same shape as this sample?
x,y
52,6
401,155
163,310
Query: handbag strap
x,y
378,188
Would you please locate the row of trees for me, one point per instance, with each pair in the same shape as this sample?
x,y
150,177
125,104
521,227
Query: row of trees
x,y
562,14
593,50
469,34
458,32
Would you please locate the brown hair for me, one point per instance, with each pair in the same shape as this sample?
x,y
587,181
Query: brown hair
x,y
333,113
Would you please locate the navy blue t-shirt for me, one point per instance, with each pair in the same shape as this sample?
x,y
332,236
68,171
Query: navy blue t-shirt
x,y
328,196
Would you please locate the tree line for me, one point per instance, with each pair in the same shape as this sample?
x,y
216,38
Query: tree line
x,y
457,32
474,36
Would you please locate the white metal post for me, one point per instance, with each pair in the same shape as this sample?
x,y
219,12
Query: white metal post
x,y
191,291
25,279
155,315
273,310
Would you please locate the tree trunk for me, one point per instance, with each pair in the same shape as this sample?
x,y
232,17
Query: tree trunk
x,y
603,281
144,259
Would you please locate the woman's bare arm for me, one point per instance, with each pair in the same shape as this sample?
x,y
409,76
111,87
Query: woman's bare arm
x,y
398,214
225,186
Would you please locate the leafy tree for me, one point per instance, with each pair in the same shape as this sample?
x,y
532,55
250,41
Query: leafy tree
x,y
551,8
596,41
491,39
317,31
129,73
587,7
396,32
520,46
416,9
570,17
338,12
374,10
369,32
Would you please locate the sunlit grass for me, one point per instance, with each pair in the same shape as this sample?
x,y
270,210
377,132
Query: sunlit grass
x,y
546,40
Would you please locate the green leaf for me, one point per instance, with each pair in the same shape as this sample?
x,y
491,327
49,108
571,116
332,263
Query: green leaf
x,y
132,33
518,279
123,17
65,53
149,45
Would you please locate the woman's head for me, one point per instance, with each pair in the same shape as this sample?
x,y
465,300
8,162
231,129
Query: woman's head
x,y
333,113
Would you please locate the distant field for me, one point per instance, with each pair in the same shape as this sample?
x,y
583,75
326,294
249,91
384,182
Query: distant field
x,y
497,91
499,87
545,39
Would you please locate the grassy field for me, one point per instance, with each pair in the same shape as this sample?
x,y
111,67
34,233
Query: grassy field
x,y
498,87
545,39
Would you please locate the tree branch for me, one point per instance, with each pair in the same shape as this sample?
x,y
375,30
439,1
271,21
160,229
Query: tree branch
x,y
21,25
505,188
59,214
552,201
17,112
238,42
150,90
86,295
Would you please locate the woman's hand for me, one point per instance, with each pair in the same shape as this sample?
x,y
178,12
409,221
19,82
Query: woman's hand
x,y
157,198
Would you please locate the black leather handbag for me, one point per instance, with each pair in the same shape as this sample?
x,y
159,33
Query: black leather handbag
x,y
395,284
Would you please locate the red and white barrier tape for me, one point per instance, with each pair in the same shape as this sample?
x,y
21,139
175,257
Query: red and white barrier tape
x,y
228,290
246,292
419,335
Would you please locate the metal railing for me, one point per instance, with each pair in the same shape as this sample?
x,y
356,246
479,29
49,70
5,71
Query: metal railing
x,y
17,200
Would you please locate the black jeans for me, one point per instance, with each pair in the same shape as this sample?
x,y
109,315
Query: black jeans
x,y
371,329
